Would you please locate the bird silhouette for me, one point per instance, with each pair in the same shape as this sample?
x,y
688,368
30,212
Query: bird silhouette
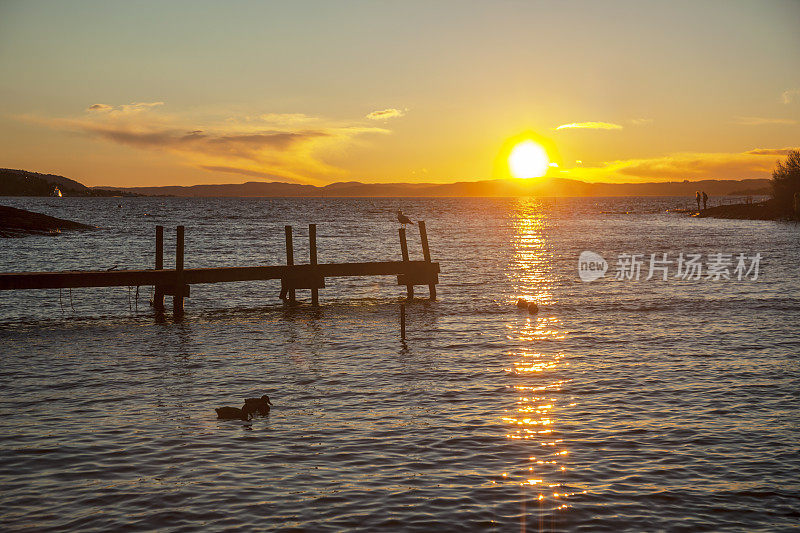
x,y
259,405
402,219
234,413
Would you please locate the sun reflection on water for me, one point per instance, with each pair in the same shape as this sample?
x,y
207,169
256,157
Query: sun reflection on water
x,y
536,368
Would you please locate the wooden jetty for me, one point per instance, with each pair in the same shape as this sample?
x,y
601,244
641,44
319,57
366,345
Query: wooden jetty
x,y
176,282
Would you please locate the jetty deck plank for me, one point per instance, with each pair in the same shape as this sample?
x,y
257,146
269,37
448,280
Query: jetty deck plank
x,y
418,270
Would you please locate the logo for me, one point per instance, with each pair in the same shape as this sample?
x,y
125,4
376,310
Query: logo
x,y
591,266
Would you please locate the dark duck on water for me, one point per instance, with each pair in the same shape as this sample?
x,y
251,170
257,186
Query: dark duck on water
x,y
532,308
259,405
234,413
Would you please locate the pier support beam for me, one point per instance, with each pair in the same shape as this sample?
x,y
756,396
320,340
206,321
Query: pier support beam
x,y
312,251
426,254
402,322
158,293
404,251
177,297
285,290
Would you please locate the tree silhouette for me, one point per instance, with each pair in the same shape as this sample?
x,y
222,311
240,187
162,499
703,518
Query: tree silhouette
x,y
786,181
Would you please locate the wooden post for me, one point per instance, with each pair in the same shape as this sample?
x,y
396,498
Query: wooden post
x,y
426,254
158,295
312,250
404,250
177,298
403,321
290,257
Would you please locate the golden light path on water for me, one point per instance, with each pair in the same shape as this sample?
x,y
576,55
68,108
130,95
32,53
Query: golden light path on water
x,y
536,366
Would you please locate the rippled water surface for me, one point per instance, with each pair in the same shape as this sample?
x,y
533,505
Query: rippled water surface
x,y
623,405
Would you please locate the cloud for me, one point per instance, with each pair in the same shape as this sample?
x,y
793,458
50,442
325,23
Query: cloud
x,y
385,114
788,96
771,151
682,166
246,146
134,107
285,118
641,121
590,126
692,166
760,121
139,106
245,172
234,144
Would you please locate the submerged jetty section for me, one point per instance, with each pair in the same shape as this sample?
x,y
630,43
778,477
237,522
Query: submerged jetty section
x,y
175,282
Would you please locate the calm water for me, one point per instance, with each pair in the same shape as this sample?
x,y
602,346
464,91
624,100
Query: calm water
x,y
623,405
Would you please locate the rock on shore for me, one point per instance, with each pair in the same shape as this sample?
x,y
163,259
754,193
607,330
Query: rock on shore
x,y
756,211
19,222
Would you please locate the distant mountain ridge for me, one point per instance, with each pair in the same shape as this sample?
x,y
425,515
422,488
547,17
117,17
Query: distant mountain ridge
x,y
25,183
491,188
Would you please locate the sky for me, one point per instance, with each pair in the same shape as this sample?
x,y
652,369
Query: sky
x,y
194,92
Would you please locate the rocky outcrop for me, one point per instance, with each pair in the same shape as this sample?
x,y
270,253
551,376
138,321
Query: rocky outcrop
x,y
767,210
19,223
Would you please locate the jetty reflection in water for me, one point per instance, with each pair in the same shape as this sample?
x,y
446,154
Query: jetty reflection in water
x,y
536,369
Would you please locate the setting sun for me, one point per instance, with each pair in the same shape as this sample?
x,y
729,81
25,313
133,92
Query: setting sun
x,y
528,160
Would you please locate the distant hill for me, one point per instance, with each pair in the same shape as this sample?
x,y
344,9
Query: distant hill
x,y
25,183
548,187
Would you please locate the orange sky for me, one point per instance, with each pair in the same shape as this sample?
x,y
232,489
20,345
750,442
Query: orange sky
x,y
147,93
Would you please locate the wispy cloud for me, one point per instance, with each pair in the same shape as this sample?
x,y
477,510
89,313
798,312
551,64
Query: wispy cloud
x,y
590,126
771,151
386,114
124,109
681,166
790,95
641,121
285,118
273,147
693,166
761,121
244,172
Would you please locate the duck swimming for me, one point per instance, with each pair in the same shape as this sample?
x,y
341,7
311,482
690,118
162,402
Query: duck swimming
x,y
234,413
532,307
259,405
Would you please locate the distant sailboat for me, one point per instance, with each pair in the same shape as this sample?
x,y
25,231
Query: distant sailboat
x,y
57,192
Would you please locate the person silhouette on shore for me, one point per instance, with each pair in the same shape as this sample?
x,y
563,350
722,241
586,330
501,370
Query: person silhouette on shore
x,y
697,197
705,200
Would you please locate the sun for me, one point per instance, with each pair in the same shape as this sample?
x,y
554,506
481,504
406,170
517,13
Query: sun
x,y
528,160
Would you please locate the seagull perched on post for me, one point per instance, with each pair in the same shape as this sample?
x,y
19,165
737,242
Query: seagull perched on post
x,y
402,219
